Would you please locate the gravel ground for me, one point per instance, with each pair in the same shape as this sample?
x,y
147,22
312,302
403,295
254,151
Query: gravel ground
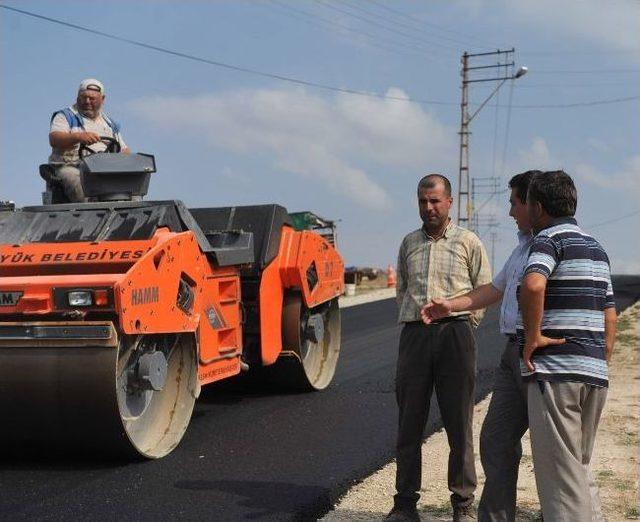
x,y
615,460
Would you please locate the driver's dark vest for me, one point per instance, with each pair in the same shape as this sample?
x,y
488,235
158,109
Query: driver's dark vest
x,y
76,121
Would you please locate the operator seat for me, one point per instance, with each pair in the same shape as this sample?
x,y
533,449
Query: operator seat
x,y
54,191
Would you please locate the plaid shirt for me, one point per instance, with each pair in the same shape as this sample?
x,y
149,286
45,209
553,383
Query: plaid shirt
x,y
449,266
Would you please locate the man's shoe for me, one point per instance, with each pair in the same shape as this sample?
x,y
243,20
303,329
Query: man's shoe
x,y
403,514
464,514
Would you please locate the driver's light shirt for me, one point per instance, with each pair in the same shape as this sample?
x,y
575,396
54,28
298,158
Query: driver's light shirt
x,y
97,125
507,282
448,266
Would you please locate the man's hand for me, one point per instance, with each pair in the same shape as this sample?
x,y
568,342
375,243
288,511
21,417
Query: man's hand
x,y
531,345
67,140
88,138
436,309
610,322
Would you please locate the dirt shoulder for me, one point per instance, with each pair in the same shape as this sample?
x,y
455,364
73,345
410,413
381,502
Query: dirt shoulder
x,y
615,459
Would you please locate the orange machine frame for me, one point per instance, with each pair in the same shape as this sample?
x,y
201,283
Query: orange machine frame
x,y
145,275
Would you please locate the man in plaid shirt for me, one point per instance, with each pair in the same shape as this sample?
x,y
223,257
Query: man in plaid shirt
x,y
439,260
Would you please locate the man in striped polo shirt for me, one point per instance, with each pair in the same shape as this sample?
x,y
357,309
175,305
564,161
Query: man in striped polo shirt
x,y
566,331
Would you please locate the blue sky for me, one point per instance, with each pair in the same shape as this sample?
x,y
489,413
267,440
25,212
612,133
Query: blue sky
x,y
222,137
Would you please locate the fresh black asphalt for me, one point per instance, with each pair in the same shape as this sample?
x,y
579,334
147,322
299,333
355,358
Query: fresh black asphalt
x,y
249,453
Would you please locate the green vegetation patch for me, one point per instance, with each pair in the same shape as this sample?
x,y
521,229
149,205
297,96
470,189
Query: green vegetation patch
x,y
622,484
629,438
626,338
624,323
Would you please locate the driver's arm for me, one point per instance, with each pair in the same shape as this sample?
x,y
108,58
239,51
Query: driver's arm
x,y
123,146
66,140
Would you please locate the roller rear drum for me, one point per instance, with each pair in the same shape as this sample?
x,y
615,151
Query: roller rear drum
x,y
134,397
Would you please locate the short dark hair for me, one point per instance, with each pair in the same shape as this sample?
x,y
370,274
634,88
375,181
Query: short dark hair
x,y
521,181
555,191
431,180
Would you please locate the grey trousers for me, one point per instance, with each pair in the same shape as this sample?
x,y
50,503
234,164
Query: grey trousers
x,y
69,175
563,420
441,357
500,447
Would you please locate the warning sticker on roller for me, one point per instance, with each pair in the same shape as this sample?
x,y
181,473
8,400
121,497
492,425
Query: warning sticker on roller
x,y
215,319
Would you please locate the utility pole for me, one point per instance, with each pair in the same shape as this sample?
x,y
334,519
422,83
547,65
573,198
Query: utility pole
x,y
504,60
482,187
463,172
493,235
487,187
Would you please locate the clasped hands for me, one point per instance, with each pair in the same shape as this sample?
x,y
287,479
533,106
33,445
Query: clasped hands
x,y
436,309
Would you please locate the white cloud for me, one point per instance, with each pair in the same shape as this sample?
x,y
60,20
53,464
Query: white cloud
x,y
599,145
614,24
630,175
235,176
591,175
338,141
626,180
536,157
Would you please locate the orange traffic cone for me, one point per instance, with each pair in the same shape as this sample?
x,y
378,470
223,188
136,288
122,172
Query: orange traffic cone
x,y
391,276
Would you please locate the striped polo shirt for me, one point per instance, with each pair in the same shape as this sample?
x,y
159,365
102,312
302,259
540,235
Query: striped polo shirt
x,y
577,293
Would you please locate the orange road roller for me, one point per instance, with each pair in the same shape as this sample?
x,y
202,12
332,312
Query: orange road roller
x,y
114,313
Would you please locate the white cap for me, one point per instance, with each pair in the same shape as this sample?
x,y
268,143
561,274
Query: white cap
x,y
91,84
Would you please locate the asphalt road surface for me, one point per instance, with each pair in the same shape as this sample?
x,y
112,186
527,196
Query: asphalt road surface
x,y
252,454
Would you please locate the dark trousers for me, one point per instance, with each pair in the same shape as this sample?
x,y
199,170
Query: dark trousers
x,y
500,447
440,356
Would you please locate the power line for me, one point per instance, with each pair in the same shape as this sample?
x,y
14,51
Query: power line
x,y
587,71
562,85
614,220
313,18
433,26
391,29
486,201
224,65
280,77
556,53
567,105
578,104
395,22
596,225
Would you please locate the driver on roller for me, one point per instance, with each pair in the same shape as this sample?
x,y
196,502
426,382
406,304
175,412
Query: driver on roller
x,y
82,123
